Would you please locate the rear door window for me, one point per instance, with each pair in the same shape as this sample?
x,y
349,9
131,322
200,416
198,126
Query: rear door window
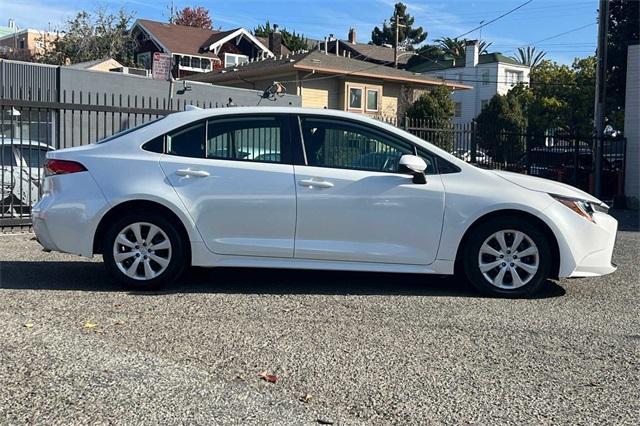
x,y
248,138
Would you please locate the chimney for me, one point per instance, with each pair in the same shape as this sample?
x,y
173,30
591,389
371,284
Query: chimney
x,y
352,35
12,23
275,41
471,53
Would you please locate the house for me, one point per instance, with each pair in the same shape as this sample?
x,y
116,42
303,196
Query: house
x,y
198,50
331,81
104,64
383,55
489,74
25,42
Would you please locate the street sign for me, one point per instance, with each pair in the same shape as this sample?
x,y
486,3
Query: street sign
x,y
161,67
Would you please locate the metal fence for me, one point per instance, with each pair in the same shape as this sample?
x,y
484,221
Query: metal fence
x,y
552,154
30,126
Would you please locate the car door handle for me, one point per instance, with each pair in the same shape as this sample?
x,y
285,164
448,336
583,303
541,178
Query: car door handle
x,y
194,173
310,183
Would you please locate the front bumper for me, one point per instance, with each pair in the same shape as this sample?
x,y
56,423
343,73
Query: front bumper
x,y
586,248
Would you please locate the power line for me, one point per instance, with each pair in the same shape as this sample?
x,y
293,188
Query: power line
x,y
494,20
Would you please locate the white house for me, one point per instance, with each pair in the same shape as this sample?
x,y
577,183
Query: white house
x,y
489,74
631,128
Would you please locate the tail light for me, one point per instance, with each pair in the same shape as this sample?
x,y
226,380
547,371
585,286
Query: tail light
x,y
62,167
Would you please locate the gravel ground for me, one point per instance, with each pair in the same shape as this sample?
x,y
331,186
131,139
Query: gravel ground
x,y
367,348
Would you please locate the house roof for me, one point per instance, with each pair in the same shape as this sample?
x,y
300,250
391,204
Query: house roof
x,y
373,53
317,61
265,41
88,64
438,65
179,39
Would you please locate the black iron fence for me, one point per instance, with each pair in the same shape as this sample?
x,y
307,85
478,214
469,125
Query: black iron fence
x,y
552,154
30,128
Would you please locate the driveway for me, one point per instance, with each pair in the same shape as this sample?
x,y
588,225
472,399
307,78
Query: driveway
x,y
347,348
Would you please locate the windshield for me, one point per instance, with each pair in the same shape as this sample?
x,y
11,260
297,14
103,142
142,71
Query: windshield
x,y
129,130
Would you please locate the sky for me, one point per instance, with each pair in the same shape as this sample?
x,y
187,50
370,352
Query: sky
x,y
537,23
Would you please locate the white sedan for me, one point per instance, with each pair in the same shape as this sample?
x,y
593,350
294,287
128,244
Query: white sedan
x,y
330,190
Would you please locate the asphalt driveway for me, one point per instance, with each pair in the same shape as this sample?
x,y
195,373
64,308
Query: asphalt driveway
x,y
347,348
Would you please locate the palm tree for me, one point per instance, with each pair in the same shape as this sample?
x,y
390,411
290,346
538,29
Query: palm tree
x,y
529,56
456,47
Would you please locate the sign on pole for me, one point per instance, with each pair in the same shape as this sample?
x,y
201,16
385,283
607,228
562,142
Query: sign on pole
x,y
161,67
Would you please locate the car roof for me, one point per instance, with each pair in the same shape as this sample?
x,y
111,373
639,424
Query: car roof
x,y
24,142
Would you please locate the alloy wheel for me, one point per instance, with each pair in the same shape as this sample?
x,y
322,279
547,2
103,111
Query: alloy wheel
x,y
508,259
142,251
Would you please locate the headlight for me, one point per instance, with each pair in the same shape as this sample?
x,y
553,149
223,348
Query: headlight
x,y
582,207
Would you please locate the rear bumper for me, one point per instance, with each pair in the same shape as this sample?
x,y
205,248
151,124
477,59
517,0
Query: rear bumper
x,y
65,218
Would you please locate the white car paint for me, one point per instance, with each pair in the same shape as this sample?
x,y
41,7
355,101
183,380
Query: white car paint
x,y
297,216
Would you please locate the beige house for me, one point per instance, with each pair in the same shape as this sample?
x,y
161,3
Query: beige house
x,y
331,81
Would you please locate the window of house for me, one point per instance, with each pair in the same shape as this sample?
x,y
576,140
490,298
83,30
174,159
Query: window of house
x,y
346,145
457,107
21,44
485,77
355,98
483,103
195,62
187,142
206,64
513,77
185,61
249,138
144,60
232,59
373,96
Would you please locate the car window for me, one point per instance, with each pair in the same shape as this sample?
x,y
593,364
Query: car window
x,y
249,138
6,156
341,144
33,156
187,142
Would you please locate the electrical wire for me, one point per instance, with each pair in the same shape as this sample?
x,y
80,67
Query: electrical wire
x,y
494,20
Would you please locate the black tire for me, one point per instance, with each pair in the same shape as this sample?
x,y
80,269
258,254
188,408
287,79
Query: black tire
x,y
471,258
179,254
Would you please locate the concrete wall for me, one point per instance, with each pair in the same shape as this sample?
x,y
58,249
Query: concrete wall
x,y
631,127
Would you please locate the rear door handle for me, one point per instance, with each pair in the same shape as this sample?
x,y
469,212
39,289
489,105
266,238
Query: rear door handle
x,y
194,173
310,183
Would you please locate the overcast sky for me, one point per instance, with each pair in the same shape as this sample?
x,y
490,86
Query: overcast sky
x,y
538,20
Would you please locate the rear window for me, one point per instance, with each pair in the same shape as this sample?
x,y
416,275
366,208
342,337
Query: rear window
x,y
129,130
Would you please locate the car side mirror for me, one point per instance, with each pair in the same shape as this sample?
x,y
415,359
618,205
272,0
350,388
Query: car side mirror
x,y
414,165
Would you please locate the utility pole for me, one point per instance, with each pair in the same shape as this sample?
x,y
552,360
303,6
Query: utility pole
x,y
395,47
601,88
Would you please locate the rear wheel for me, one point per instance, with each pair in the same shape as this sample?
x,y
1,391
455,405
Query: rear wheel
x,y
507,257
144,251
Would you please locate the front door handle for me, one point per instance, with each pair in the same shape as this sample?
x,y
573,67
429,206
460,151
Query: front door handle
x,y
194,173
310,183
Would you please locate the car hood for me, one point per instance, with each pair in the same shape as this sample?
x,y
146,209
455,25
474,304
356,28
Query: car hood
x,y
534,183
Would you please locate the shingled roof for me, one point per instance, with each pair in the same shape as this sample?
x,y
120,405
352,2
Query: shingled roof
x,y
323,64
180,39
437,65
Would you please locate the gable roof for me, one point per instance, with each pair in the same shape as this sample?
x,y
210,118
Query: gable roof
x,y
179,39
372,52
438,65
319,62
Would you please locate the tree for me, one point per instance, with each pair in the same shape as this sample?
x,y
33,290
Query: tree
x,y
291,39
455,47
437,107
529,56
408,36
500,126
193,17
623,31
89,36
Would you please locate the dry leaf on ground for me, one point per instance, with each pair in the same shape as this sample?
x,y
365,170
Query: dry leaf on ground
x,y
268,377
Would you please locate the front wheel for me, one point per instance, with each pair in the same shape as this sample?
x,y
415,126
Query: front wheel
x,y
144,251
507,257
